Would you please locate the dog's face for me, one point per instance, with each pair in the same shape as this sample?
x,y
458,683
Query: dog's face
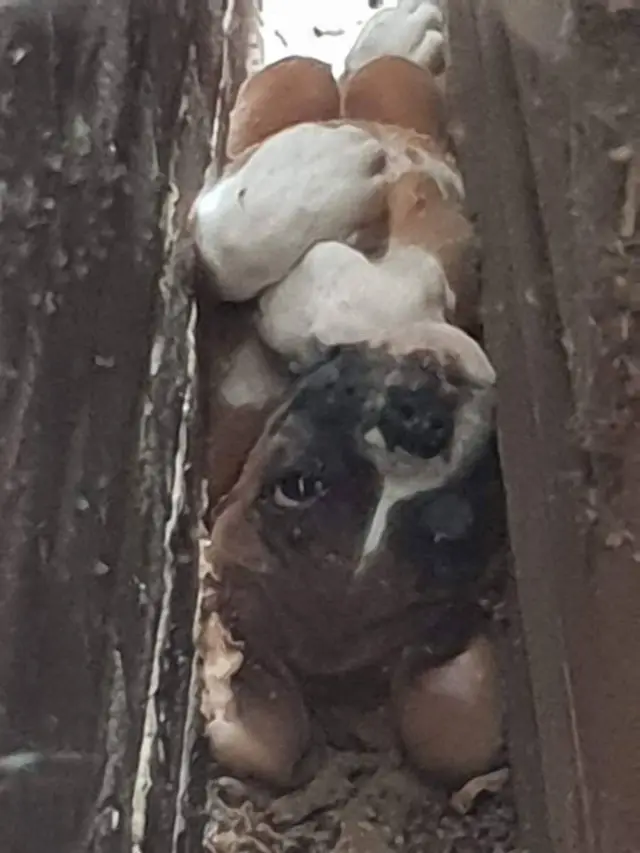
x,y
330,552
422,412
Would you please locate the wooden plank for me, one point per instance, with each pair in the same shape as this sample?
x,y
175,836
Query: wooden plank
x,y
105,117
548,97
480,178
595,278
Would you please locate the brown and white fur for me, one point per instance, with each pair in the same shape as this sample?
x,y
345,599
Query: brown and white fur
x,y
307,183
407,150
233,418
462,369
345,543
287,603
336,295
420,220
294,90
241,383
420,212
257,221
261,217
395,91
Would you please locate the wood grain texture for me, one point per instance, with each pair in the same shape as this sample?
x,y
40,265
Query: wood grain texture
x,y
550,103
105,117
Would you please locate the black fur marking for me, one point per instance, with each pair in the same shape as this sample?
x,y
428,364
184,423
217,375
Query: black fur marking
x,y
419,421
452,531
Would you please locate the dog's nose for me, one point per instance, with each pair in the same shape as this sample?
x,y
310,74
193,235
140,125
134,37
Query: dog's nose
x,y
417,420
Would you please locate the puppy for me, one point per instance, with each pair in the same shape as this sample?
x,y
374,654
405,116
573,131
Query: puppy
x,y
287,599
406,152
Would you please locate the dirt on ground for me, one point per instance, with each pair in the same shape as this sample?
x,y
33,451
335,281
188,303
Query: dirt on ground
x,y
364,797
362,802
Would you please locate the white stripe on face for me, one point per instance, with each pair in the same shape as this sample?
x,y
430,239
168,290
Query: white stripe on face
x,y
394,490
404,476
378,526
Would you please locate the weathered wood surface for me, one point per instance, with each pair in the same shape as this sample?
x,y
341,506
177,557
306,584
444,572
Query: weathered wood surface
x,y
550,99
106,109
242,54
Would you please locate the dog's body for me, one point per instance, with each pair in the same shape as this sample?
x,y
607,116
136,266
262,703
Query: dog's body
x,y
307,183
336,295
363,519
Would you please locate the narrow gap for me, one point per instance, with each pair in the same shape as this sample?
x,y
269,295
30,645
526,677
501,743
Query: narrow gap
x,y
234,815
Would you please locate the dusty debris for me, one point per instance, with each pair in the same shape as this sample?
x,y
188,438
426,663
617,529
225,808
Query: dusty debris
x,y
463,800
360,802
319,32
332,787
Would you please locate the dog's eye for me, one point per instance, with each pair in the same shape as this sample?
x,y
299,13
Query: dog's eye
x,y
297,489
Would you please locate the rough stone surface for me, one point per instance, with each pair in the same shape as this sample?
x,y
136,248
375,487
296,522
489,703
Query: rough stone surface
x,y
106,109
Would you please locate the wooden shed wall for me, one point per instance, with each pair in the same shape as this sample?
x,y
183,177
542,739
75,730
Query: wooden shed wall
x,y
106,111
549,97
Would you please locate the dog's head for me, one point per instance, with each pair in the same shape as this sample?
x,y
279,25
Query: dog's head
x,y
361,515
